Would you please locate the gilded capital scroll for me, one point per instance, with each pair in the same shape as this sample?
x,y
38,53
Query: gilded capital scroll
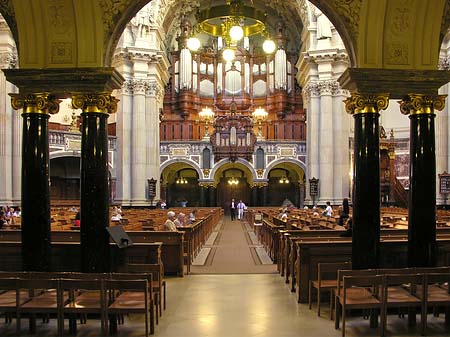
x,y
366,103
101,102
39,103
419,104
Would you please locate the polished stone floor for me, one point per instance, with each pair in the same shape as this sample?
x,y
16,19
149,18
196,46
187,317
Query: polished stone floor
x,y
238,305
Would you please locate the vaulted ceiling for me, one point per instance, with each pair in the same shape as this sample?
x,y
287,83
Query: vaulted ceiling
x,y
389,34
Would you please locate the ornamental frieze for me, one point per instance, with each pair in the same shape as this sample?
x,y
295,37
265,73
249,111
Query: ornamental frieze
x,y
349,11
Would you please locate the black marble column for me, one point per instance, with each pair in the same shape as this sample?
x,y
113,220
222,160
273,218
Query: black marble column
x,y
36,243
366,178
422,177
95,248
202,196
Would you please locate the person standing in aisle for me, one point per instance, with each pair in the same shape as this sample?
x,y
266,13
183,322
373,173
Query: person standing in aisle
x,y
233,210
240,207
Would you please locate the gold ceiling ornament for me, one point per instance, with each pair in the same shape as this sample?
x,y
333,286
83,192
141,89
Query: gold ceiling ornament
x,y
419,104
366,103
259,172
39,103
206,172
231,23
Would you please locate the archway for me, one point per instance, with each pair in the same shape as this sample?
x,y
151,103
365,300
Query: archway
x,y
286,181
179,184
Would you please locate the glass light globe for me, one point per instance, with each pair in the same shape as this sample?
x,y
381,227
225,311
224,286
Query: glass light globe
x,y
236,33
228,55
193,43
269,46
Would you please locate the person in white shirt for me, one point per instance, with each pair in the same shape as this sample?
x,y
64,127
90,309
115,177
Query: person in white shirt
x,y
328,210
240,207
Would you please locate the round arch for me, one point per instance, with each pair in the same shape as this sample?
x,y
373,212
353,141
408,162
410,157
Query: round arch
x,y
295,162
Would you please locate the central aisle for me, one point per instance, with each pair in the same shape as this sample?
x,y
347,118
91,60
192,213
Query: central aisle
x,y
234,251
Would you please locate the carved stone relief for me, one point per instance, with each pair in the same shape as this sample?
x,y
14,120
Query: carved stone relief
x,y
399,26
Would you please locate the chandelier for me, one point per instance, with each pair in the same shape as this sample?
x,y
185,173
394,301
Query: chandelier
x,y
181,180
233,181
284,180
231,23
207,115
259,115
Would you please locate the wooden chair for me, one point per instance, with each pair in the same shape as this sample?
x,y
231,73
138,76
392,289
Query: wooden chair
x,y
9,297
326,282
399,291
437,294
44,298
158,284
358,292
80,304
119,305
133,295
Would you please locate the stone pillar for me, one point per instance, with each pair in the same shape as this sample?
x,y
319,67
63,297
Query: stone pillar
x,y
95,249
341,134
366,190
123,132
36,243
138,145
422,177
442,128
326,148
311,93
154,100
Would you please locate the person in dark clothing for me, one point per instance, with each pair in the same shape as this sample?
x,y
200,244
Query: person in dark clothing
x,y
233,206
348,225
344,212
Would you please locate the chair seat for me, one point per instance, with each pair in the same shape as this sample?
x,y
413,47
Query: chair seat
x,y
356,296
325,284
127,304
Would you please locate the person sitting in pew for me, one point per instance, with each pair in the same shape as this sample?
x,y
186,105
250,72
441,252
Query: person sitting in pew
x,y
180,221
348,225
169,225
344,212
191,218
3,220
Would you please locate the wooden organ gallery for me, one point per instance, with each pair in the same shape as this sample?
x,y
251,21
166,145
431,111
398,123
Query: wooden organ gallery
x,y
234,137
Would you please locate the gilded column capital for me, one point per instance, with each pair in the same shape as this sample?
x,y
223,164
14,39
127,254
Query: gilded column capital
x,y
101,102
419,104
366,103
260,184
38,103
207,184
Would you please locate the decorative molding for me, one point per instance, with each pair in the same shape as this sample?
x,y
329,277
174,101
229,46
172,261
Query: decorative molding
x,y
139,86
444,63
311,89
349,11
327,87
260,173
206,172
8,60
